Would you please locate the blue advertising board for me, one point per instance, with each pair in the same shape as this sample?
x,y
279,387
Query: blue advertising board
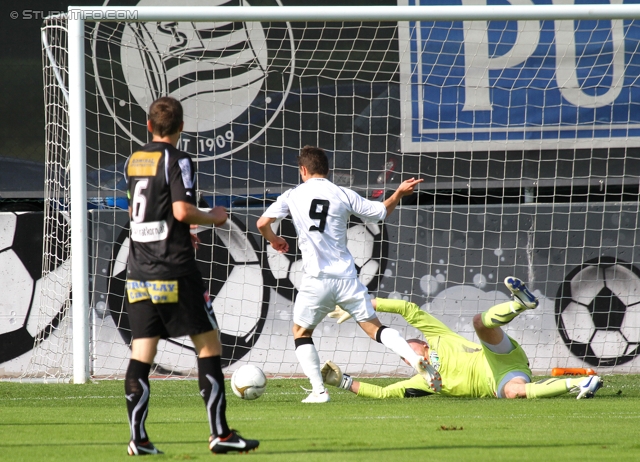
x,y
487,85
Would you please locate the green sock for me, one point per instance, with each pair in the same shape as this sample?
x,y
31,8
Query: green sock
x,y
501,314
551,387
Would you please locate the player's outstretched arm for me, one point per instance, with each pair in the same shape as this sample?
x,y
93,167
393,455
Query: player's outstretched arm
x,y
421,320
277,242
332,375
406,188
412,388
189,213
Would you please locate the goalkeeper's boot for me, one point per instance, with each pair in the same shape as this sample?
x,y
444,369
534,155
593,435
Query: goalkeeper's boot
x,y
142,449
232,443
429,374
588,387
521,293
315,397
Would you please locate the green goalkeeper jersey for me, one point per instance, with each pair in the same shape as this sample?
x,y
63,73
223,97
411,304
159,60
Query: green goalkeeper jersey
x,y
462,364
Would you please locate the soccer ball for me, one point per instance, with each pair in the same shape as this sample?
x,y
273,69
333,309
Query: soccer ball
x,y
598,312
364,242
248,382
21,261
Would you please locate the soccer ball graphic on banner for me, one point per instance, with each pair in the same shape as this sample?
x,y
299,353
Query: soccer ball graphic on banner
x,y
21,272
228,260
598,312
248,382
364,241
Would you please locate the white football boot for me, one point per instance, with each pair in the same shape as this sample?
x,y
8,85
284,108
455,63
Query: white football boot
x,y
588,387
322,397
429,374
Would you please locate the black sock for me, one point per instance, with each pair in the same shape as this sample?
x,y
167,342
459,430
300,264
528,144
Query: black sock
x,y
137,390
211,381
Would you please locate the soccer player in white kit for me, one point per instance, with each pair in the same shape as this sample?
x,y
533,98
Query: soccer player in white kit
x,y
320,212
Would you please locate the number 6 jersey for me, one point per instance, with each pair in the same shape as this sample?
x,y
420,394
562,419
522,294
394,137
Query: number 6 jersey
x,y
320,211
157,176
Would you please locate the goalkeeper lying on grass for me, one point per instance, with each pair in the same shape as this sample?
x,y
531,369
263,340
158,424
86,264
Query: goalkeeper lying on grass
x,y
497,367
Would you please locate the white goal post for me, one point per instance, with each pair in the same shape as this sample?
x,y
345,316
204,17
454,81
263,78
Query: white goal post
x,y
411,145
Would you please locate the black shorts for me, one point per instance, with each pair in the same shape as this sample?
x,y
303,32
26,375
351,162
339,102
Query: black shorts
x,y
191,314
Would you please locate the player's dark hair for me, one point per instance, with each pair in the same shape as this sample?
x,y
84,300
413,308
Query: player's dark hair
x,y
165,115
314,160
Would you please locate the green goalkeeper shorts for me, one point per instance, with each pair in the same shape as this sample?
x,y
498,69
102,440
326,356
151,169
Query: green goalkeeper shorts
x,y
502,365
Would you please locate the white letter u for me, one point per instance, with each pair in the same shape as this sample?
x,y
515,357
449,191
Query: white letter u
x,y
566,64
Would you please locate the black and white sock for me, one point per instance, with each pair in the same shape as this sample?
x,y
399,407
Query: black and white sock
x,y
137,391
211,382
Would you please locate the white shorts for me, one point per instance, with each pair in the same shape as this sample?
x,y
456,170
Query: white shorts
x,y
318,297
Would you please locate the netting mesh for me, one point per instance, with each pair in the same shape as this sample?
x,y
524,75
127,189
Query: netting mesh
x,y
488,113
49,319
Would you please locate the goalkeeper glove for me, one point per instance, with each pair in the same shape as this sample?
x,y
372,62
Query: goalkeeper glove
x,y
339,313
332,375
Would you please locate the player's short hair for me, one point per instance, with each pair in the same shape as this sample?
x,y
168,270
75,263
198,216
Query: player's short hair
x,y
314,159
166,116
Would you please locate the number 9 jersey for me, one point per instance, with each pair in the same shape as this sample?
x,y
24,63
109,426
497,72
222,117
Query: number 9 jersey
x,y
157,176
320,212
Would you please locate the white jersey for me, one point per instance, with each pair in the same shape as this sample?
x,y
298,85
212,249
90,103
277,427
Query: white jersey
x,y
320,212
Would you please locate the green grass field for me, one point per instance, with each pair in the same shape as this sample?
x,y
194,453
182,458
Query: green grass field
x,y
88,422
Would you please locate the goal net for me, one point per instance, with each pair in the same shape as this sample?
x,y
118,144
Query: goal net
x,y
525,129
